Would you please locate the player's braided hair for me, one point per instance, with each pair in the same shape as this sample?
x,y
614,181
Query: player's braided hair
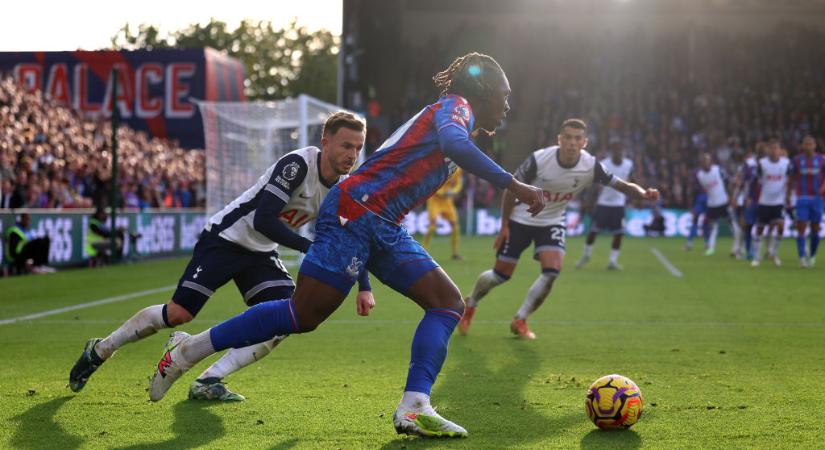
x,y
470,75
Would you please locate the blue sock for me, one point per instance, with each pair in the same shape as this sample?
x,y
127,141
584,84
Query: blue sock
x,y
257,324
706,231
429,348
748,241
814,243
800,246
694,229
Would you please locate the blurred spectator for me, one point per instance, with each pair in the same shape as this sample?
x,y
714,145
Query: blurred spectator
x,y
11,197
55,158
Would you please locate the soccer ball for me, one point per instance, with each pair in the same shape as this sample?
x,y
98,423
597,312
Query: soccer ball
x,y
614,401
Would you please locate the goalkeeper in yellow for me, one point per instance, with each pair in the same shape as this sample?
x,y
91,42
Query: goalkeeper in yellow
x,y
441,205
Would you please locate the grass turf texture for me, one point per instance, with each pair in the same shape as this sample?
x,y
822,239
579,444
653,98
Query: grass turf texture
x,y
726,356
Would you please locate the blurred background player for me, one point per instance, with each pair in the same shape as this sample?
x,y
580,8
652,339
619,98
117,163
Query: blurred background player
x,y
772,176
358,229
746,192
712,180
808,180
700,207
609,213
240,243
561,171
442,204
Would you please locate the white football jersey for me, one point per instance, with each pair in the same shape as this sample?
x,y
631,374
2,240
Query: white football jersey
x,y
773,180
713,183
609,196
298,174
560,184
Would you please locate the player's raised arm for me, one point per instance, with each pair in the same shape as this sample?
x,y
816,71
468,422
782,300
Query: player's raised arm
x,y
288,174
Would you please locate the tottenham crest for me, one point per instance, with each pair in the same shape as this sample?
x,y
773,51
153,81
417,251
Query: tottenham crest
x,y
290,171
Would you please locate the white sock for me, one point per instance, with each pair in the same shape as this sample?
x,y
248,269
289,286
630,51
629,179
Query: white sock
x,y
196,348
536,294
737,236
757,246
770,244
416,402
614,255
588,250
775,244
714,231
236,359
484,284
146,322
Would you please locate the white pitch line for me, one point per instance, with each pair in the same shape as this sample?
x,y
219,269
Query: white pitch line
x,y
670,267
104,301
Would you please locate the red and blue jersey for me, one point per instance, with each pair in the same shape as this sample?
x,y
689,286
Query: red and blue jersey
x,y
751,181
810,174
418,158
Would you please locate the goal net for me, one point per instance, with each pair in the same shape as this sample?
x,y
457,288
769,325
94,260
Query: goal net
x,y
244,138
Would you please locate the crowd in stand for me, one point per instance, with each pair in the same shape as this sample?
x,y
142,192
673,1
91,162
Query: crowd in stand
x,y
51,157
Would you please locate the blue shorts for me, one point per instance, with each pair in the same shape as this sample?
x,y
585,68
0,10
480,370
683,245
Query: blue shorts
x,y
809,209
259,276
700,205
350,239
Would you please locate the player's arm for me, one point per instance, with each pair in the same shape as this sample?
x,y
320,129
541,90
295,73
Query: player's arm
x,y
364,301
277,192
454,140
632,190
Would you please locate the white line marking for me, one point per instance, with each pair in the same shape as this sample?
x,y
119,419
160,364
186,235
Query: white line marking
x,y
104,301
670,267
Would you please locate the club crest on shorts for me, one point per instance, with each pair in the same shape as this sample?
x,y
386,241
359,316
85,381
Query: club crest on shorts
x,y
354,267
198,270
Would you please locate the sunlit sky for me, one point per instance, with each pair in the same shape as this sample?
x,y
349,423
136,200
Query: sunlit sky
x,y
50,25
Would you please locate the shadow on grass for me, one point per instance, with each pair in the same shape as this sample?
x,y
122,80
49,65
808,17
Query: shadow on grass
x,y
36,428
488,401
286,445
611,439
194,426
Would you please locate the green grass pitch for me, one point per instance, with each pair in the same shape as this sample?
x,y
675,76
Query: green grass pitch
x,y
726,356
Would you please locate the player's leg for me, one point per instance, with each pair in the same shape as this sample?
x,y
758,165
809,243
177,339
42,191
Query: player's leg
x,y
506,260
550,253
816,219
432,216
616,226
260,281
595,227
779,227
763,222
733,217
802,218
405,266
750,220
615,250
209,268
451,215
